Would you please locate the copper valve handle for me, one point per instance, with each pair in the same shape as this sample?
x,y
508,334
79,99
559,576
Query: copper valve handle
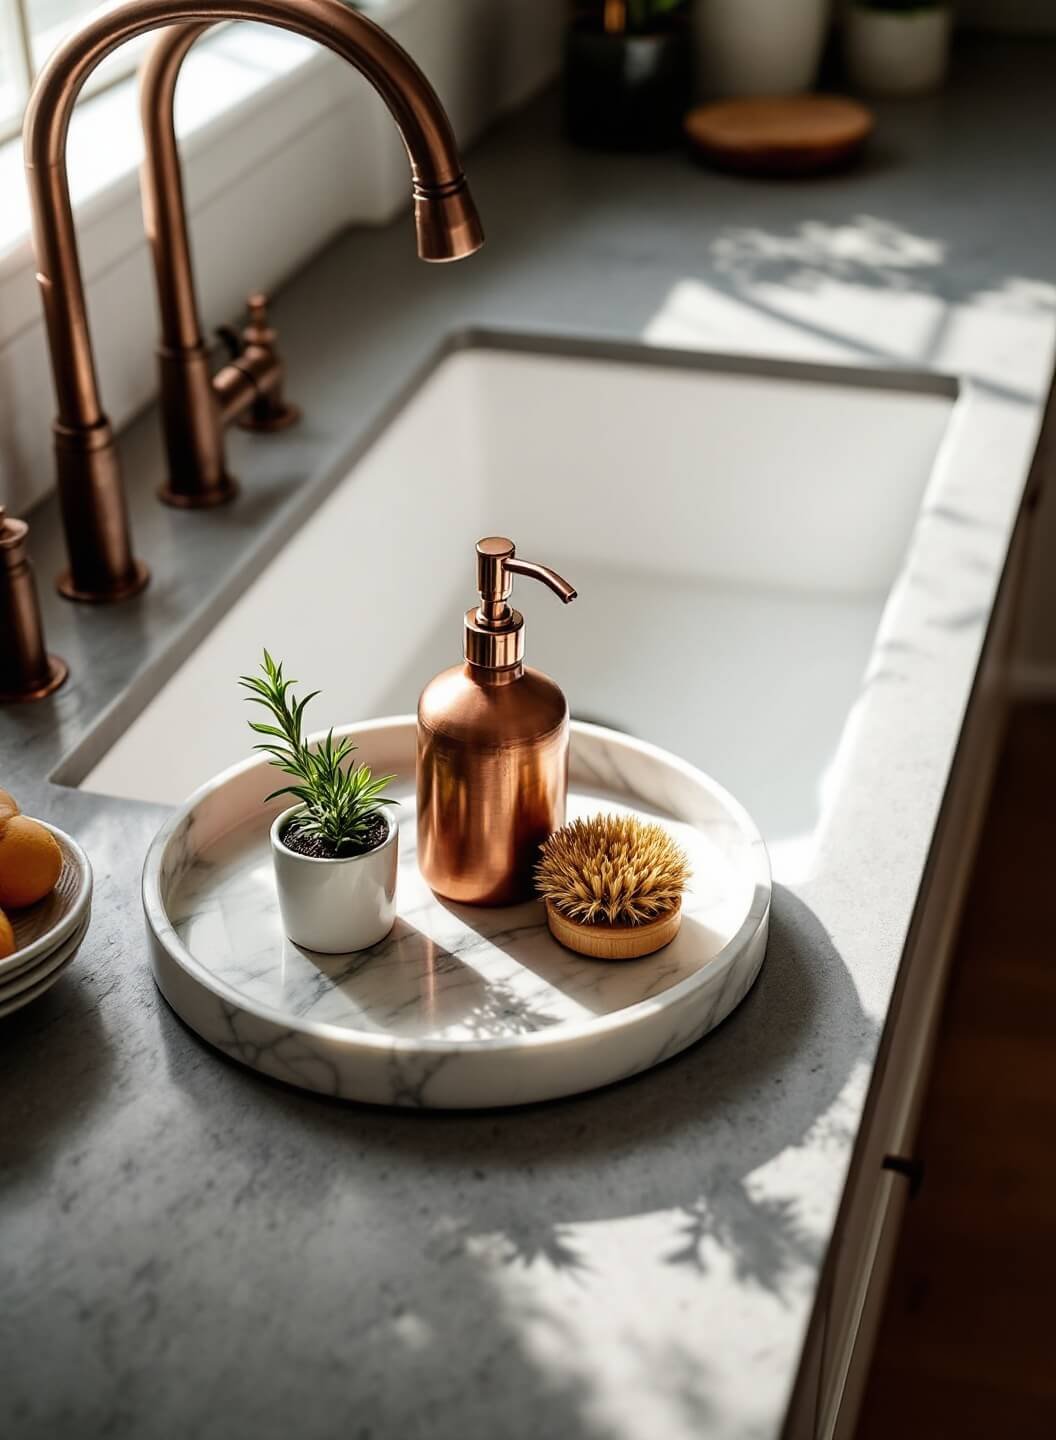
x,y
249,388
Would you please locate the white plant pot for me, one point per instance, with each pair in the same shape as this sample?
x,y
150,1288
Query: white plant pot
x,y
897,53
759,47
334,906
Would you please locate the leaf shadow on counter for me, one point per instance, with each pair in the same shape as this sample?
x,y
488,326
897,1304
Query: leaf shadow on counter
x,y
683,1138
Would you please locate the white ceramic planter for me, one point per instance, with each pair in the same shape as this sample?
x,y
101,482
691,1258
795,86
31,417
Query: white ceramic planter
x,y
897,53
334,906
758,47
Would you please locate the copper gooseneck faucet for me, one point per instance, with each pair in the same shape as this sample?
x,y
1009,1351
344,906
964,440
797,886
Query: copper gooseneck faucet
x,y
102,564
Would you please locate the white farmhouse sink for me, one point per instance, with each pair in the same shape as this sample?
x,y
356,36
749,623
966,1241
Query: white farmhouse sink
x,y
733,527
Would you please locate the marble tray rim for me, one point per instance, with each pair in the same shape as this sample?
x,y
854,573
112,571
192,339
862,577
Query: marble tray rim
x,y
553,1037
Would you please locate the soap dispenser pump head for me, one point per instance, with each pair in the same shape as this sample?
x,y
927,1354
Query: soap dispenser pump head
x,y
494,636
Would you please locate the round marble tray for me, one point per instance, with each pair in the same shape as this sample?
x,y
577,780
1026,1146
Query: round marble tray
x,y
459,1006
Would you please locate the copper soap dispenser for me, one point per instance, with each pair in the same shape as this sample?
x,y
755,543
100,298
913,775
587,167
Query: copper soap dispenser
x,y
492,748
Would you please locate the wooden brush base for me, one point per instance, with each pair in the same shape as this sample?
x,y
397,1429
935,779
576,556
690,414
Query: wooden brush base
x,y
614,942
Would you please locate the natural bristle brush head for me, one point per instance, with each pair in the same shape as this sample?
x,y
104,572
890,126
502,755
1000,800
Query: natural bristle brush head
x,y
613,885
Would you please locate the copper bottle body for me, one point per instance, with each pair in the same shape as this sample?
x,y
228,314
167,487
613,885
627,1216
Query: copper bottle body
x,y
492,780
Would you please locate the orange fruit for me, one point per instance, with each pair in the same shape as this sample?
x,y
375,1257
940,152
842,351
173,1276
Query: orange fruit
x,y
7,937
8,803
30,861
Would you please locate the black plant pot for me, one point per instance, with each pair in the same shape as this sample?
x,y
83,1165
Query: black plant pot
x,y
626,92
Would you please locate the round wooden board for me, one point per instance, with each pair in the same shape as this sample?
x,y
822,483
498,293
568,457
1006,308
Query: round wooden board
x,y
795,135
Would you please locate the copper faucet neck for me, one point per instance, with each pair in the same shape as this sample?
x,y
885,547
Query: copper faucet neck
x,y
102,564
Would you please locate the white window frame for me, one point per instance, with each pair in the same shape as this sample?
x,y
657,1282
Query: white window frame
x,y
26,70
22,64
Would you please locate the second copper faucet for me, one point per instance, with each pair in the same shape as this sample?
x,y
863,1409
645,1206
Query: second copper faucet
x,y
102,564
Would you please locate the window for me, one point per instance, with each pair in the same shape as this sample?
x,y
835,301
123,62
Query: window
x,y
29,32
14,65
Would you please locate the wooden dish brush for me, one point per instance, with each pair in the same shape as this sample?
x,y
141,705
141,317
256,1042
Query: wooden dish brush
x,y
613,886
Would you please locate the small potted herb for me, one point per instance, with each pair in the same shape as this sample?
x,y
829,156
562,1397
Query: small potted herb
x,y
897,47
335,850
627,73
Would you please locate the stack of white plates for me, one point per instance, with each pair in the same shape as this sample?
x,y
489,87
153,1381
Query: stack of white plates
x,y
49,934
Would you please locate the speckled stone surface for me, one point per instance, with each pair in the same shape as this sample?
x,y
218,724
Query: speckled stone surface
x,y
187,1249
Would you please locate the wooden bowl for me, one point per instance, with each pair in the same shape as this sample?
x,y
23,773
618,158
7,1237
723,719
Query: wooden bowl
x,y
797,135
614,942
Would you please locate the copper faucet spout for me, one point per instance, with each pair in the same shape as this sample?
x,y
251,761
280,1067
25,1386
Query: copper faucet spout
x,y
447,222
102,566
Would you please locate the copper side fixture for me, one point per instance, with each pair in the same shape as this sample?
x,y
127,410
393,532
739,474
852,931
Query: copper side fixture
x,y
27,671
195,405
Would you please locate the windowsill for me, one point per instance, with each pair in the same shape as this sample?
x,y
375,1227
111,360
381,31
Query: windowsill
x,y
105,144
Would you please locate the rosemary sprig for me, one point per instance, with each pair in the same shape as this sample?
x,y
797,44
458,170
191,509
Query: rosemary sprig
x,y
340,800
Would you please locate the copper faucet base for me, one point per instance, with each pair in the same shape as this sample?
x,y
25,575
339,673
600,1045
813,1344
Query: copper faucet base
x,y
98,539
138,581
58,670
271,421
221,494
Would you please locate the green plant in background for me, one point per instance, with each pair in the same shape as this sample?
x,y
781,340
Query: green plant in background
x,y
341,802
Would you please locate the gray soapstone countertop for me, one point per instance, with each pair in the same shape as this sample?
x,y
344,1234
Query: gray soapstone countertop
x,y
186,1248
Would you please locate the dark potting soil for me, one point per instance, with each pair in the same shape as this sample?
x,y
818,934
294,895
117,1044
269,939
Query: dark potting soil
x,y
316,848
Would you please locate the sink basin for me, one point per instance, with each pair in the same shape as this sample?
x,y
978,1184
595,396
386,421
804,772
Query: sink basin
x,y
734,528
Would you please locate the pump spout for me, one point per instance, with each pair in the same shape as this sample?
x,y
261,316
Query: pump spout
x,y
561,588
497,563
